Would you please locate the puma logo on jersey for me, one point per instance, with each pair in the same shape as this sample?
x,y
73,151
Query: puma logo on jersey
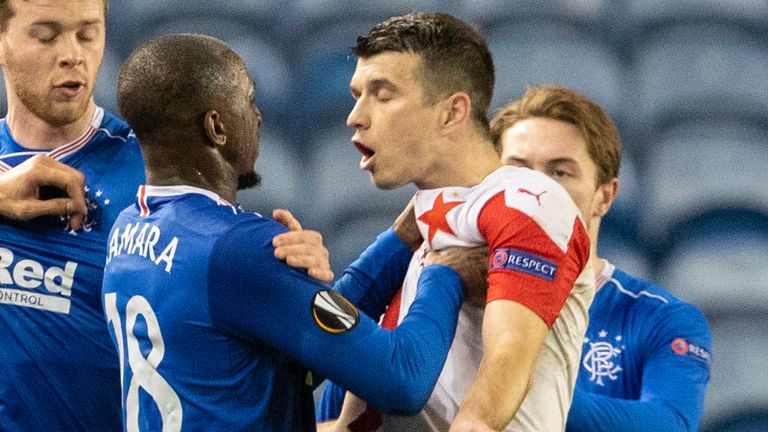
x,y
19,277
537,196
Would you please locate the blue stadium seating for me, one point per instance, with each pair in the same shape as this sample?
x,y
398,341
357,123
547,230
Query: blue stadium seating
x,y
262,11
701,164
752,419
619,245
494,11
650,13
630,201
717,260
553,53
310,11
738,380
700,69
324,67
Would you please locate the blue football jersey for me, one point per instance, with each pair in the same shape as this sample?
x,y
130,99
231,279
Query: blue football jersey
x,y
60,369
645,360
215,333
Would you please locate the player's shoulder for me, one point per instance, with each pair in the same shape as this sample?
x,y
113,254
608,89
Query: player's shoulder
x,y
530,191
114,128
250,227
646,297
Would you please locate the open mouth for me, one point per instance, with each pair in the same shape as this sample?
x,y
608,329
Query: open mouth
x,y
365,162
366,152
71,88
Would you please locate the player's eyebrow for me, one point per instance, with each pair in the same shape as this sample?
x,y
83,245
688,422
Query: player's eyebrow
x,y
511,160
562,160
374,86
381,83
55,25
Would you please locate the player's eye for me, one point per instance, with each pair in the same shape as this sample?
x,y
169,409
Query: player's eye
x,y
87,34
384,94
43,34
559,173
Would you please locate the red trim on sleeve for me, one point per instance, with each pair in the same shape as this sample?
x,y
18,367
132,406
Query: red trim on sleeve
x,y
389,321
507,228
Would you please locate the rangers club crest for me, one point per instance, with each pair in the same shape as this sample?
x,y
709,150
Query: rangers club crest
x,y
599,360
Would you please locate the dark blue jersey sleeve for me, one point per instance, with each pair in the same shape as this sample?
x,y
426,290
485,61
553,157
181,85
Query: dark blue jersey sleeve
x,y
257,298
371,282
675,373
331,402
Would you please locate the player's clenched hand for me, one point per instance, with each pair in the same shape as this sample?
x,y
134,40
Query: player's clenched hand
x,y
301,248
20,191
406,228
472,266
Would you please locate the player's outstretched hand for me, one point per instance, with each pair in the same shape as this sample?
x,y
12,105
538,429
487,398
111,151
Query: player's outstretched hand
x,y
406,228
472,266
301,248
20,191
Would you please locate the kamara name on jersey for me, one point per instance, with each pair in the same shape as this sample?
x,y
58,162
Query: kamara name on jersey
x,y
142,240
21,280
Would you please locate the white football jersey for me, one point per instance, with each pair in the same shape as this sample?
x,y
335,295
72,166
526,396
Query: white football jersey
x,y
539,257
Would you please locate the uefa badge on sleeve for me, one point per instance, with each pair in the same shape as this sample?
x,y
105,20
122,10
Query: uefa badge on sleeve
x,y
333,313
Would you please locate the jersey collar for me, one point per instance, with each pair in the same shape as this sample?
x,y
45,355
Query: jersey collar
x,y
16,153
146,192
605,275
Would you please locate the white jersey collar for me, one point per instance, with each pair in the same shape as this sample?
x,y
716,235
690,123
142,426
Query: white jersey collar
x,y
605,275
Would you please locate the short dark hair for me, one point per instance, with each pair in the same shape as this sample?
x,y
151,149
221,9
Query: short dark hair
x,y
455,57
173,80
569,106
7,12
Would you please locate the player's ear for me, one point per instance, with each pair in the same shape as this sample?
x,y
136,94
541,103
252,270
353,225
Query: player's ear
x,y
214,128
457,110
604,197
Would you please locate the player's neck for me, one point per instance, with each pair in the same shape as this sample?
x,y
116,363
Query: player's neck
x,y
593,229
32,132
598,264
465,163
168,168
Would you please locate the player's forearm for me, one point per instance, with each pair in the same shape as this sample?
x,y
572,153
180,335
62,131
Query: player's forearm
x,y
597,413
497,392
512,339
371,281
422,340
394,370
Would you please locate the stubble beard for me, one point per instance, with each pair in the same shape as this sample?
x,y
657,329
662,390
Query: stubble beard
x,y
54,112
248,180
39,100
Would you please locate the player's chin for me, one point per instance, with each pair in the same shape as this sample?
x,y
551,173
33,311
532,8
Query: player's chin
x,y
248,180
386,183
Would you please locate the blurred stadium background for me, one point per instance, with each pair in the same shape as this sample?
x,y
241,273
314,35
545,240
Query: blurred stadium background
x,y
685,80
